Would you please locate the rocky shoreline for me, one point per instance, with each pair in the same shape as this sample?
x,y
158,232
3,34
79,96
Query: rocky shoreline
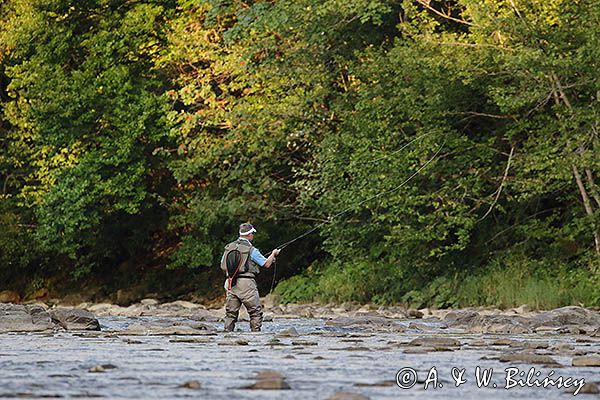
x,y
572,320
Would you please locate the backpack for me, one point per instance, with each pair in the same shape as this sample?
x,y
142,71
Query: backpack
x,y
235,260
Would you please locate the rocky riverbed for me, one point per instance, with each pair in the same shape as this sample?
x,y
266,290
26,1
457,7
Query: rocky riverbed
x,y
170,350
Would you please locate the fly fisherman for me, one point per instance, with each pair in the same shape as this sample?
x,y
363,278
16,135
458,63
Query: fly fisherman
x,y
241,262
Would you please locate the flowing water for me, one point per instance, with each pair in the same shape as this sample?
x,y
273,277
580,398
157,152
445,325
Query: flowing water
x,y
324,360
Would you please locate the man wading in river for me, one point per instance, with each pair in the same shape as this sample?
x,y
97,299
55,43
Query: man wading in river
x,y
241,262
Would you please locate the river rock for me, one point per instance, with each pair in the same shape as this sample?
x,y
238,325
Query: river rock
x,y
73,299
347,396
182,304
478,323
550,329
529,344
195,385
523,309
588,361
528,358
588,388
562,347
75,319
150,302
434,341
177,330
102,368
125,297
366,308
271,300
412,313
167,328
269,380
425,311
366,321
38,294
571,315
386,383
418,350
275,342
202,315
500,324
304,343
101,309
20,318
290,332
460,318
9,296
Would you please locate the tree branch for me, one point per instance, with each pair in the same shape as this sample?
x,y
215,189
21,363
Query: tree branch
x,y
425,3
475,45
593,186
499,191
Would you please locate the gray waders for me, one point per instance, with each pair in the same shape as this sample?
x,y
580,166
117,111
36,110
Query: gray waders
x,y
244,292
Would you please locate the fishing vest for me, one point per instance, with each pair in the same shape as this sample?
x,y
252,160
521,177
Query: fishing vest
x,y
237,261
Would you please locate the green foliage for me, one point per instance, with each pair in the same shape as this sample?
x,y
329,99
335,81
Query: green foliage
x,y
82,98
298,289
510,282
359,281
158,126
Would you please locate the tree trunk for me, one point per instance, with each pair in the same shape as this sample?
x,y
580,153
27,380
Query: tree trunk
x,y
560,95
593,187
587,204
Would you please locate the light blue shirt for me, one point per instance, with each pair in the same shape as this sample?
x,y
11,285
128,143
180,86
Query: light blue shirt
x,y
256,255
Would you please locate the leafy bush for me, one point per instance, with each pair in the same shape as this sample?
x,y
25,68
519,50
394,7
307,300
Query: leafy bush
x,y
510,282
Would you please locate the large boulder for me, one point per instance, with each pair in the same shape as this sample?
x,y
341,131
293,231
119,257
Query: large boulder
x,y
570,319
9,296
460,317
500,324
20,318
568,316
75,319
472,321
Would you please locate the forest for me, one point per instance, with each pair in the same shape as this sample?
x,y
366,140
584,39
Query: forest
x,y
457,138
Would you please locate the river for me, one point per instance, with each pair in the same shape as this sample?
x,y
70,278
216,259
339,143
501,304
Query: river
x,y
319,362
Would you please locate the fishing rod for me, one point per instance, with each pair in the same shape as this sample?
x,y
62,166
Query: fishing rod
x,y
392,190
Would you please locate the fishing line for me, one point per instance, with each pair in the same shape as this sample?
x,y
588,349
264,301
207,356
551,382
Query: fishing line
x,y
398,150
392,190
